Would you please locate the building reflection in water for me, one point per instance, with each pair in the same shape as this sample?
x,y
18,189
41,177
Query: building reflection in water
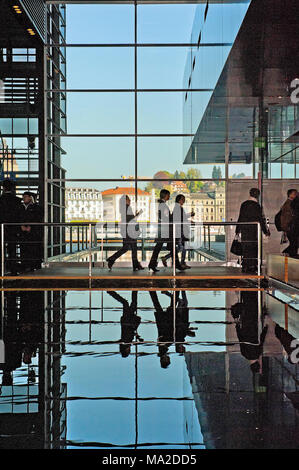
x,y
162,369
32,405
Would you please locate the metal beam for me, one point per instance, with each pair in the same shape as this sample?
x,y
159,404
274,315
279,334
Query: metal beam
x,y
140,2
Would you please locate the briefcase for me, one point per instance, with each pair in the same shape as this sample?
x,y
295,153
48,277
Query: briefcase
x,y
236,248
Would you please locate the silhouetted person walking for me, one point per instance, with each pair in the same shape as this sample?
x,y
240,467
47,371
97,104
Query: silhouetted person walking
x,y
295,223
251,211
182,229
130,232
165,232
287,221
10,209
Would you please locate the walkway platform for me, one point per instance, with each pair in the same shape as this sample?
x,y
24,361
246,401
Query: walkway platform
x,y
64,276
284,269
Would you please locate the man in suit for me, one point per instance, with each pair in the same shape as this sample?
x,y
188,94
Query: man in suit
x,y
172,324
164,232
251,211
295,209
129,322
31,236
130,232
10,210
288,225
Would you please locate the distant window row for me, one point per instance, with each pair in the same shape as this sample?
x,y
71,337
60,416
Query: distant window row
x,y
17,55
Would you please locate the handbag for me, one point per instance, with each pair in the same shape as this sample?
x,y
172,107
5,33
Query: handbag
x,y
236,248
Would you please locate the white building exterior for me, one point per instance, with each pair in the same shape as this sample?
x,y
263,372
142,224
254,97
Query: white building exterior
x,y
83,204
111,201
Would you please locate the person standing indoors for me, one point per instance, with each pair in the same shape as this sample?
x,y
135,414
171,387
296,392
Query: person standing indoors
x,y
181,221
164,231
130,232
295,209
31,235
251,211
288,225
10,209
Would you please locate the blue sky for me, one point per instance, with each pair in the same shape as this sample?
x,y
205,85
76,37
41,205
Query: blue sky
x,y
113,68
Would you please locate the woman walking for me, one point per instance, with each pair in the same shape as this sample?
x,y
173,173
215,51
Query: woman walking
x,y
130,232
181,226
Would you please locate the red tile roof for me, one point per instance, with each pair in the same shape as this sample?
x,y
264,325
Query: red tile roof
x,y
129,191
178,183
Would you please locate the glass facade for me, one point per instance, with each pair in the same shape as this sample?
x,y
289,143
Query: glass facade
x,y
126,95
181,95
250,120
26,72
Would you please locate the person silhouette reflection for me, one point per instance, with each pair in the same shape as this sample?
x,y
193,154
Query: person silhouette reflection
x,y
12,343
253,341
129,321
30,325
22,331
167,331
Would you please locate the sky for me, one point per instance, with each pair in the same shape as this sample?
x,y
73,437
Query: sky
x,y
113,68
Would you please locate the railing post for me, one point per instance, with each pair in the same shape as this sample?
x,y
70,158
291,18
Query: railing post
x,y
95,236
259,248
102,245
143,253
90,252
78,238
71,239
173,252
2,250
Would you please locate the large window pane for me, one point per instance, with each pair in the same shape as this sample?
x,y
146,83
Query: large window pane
x,y
107,67
208,64
100,113
161,67
88,24
160,113
160,157
239,171
98,157
223,21
170,112
6,126
165,23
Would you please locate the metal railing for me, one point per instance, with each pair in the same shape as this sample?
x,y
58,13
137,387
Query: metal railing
x,y
88,239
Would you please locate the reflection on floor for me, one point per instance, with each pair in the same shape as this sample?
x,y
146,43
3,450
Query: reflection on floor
x,y
151,369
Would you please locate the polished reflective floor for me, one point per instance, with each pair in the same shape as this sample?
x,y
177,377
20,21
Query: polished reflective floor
x,y
164,369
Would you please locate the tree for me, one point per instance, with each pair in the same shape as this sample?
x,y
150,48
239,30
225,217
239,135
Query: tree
x,y
238,176
216,173
194,174
162,177
149,186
